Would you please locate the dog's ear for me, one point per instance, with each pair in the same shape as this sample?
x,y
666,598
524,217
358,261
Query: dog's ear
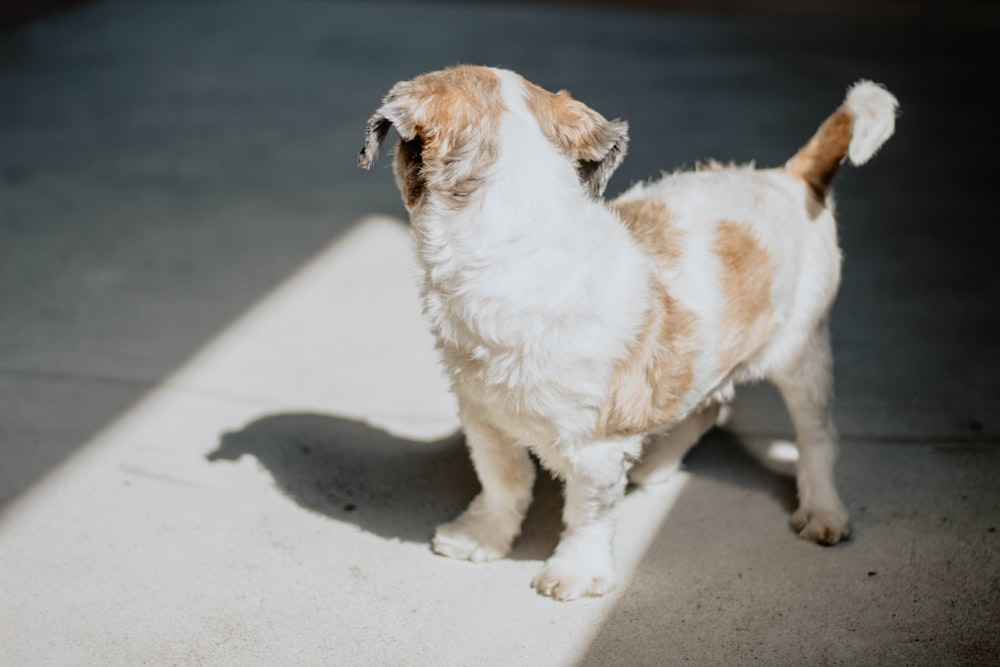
x,y
375,133
611,141
394,111
596,145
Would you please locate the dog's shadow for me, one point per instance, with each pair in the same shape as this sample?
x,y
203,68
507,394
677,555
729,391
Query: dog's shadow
x,y
387,485
721,455
401,489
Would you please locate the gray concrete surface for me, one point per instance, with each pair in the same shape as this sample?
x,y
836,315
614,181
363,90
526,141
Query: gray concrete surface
x,y
224,437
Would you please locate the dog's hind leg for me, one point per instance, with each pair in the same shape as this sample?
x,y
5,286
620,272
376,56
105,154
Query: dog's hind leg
x,y
486,530
662,455
807,387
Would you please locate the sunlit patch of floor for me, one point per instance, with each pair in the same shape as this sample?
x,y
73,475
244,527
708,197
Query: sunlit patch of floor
x,y
287,476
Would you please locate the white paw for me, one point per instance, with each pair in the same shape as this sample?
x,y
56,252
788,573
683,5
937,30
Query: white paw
x,y
569,578
467,540
823,525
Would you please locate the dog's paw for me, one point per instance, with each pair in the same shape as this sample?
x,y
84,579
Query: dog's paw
x,y
821,525
569,578
465,540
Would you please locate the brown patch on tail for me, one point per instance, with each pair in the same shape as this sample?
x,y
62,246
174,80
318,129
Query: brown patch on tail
x,y
816,163
747,276
648,384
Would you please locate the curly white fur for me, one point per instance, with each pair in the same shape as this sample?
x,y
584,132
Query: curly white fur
x,y
582,330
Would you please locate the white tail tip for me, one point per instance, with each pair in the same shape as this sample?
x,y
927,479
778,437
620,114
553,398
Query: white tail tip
x,y
874,111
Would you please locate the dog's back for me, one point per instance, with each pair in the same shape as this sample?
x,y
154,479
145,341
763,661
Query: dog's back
x,y
752,254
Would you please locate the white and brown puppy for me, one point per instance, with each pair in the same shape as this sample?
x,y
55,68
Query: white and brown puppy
x,y
603,337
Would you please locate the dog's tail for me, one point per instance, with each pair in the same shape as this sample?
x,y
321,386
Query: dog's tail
x,y
856,131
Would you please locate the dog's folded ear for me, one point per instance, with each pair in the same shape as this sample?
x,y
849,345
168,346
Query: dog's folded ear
x,y
375,133
392,112
611,141
596,145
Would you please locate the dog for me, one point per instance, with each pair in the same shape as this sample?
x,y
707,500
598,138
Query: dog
x,y
603,337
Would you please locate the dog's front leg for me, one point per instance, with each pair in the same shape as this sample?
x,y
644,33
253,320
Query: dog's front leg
x,y
486,530
583,562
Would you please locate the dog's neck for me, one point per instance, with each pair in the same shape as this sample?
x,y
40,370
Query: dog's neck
x,y
529,198
512,223
527,255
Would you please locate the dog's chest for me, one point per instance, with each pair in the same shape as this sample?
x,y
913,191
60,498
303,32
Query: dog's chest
x,y
531,313
532,363
492,342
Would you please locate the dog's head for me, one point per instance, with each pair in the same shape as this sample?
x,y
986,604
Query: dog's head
x,y
450,122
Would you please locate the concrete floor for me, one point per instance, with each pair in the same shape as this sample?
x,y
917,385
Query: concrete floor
x,y
224,436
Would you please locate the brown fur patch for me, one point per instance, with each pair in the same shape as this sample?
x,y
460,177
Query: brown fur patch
x,y
596,145
565,122
747,275
455,100
648,220
455,114
816,163
649,383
